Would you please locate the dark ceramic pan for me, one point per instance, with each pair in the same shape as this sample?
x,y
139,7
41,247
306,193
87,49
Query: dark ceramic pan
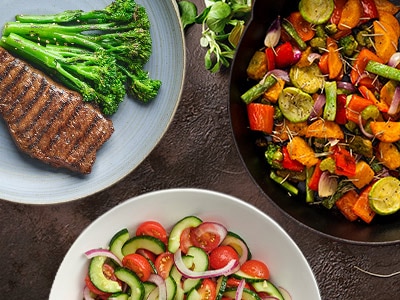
x,y
382,230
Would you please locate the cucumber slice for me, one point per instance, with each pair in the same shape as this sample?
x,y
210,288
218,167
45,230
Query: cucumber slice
x,y
268,287
247,294
171,288
316,11
148,288
200,264
177,277
147,242
296,106
236,242
174,240
241,275
117,241
132,280
384,196
98,278
221,286
193,295
120,296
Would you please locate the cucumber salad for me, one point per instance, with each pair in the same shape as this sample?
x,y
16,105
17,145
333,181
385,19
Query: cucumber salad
x,y
196,260
326,102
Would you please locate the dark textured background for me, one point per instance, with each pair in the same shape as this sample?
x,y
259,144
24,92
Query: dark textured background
x,y
198,150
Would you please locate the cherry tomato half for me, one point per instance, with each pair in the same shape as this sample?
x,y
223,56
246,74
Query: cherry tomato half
x,y
185,240
164,263
94,289
206,236
221,256
234,282
154,229
208,289
255,268
138,264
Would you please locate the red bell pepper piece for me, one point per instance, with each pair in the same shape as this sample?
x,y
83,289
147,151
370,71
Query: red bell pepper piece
x,y
337,11
261,117
269,53
314,180
340,117
369,10
345,162
285,55
290,164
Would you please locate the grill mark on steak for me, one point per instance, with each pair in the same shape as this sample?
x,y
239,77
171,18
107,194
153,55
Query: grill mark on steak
x,y
48,121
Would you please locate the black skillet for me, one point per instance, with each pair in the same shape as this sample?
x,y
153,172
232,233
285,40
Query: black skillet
x,y
382,230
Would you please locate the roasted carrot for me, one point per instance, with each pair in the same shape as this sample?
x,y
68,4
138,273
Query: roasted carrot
x,y
303,28
355,106
261,117
346,203
386,40
363,176
361,62
368,94
314,179
362,209
323,63
351,14
324,129
335,64
388,132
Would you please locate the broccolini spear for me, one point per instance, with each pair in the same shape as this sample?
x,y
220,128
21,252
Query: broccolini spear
x,y
95,75
124,44
119,11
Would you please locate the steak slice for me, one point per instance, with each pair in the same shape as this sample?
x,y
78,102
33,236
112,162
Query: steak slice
x,y
48,121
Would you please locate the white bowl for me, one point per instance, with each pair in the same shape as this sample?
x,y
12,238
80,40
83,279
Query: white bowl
x,y
266,239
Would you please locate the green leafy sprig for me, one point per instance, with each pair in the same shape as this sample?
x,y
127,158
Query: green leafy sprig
x,y
223,22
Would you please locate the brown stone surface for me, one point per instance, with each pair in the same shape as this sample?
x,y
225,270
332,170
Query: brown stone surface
x,y
198,150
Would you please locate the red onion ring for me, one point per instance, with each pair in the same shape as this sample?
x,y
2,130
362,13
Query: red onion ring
x,y
278,73
394,60
162,289
86,294
394,106
361,125
103,252
317,108
231,267
313,56
346,85
239,290
286,295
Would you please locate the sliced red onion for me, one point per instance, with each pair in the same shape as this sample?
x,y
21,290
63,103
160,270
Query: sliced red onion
x,y
327,185
278,73
296,54
348,86
86,294
362,128
318,106
230,268
273,34
103,252
285,294
239,290
161,291
213,228
313,57
266,296
394,60
394,106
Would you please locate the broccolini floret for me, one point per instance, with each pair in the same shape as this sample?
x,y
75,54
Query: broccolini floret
x,y
274,156
101,53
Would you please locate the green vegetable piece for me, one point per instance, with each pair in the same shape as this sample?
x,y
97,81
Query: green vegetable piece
x,y
309,79
316,11
328,164
188,13
384,196
218,16
370,112
329,113
309,192
295,105
383,70
291,31
361,146
257,90
274,156
348,45
288,186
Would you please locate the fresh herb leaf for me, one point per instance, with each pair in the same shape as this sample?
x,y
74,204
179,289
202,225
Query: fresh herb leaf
x,y
188,12
218,16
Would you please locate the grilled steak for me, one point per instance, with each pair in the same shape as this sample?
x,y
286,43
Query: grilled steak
x,y
48,121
